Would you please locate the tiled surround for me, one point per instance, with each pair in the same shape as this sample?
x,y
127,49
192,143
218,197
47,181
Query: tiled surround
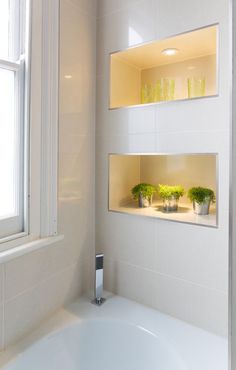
x,y
179,269
34,286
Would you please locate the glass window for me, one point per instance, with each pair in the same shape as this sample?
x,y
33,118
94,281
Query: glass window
x,y
12,122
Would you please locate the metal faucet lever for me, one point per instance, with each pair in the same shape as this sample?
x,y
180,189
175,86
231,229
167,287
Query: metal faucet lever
x,y
99,300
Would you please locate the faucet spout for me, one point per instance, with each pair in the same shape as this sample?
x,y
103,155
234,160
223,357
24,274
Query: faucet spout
x,y
98,291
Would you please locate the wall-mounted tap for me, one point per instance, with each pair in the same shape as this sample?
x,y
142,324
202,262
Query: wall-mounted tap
x,y
98,291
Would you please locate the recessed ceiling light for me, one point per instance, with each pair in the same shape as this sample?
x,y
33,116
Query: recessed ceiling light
x,y
170,51
68,77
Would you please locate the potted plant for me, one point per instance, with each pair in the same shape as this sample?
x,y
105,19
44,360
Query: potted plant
x,y
170,196
143,192
202,199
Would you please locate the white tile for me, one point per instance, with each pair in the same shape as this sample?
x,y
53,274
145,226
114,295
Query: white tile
x,y
75,144
26,311
126,238
25,272
142,120
77,42
77,95
103,52
194,115
122,121
106,7
123,29
78,123
206,308
142,143
195,142
88,6
193,253
76,222
41,282
184,15
75,165
109,122
132,143
129,281
189,264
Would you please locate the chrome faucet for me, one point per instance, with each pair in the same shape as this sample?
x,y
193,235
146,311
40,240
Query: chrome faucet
x,y
98,291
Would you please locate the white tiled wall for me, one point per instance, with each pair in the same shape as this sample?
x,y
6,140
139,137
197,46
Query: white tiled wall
x,y
35,285
179,269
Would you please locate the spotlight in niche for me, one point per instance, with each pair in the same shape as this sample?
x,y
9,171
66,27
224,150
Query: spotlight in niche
x,y
170,51
68,77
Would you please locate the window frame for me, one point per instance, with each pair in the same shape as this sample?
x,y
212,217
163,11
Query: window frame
x,y
12,225
41,73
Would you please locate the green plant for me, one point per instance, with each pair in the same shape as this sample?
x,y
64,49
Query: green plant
x,y
168,191
201,195
143,189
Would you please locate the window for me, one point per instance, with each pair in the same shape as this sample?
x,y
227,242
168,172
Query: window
x,y
28,122
12,117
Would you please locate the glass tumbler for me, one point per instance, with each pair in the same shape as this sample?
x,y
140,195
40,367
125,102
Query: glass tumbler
x,y
158,91
168,89
196,87
145,94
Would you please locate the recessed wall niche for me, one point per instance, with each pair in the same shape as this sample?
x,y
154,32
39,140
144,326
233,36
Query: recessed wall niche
x,y
177,68
186,170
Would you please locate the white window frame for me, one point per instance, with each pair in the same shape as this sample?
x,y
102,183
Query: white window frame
x,y
11,225
41,111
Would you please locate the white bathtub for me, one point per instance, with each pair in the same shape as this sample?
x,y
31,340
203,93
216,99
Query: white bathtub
x,y
120,335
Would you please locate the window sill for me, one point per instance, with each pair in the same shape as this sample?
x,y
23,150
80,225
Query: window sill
x,y
25,248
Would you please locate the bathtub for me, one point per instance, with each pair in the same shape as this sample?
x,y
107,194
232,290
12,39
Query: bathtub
x,y
120,335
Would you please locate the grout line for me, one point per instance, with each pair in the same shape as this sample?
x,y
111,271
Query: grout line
x,y
168,276
50,277
179,132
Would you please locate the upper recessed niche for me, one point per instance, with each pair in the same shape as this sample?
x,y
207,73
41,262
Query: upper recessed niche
x,y
177,68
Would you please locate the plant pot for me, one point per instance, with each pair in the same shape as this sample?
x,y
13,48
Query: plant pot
x,y
144,202
170,205
202,208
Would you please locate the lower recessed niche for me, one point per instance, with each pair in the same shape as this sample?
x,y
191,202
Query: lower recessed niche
x,y
185,170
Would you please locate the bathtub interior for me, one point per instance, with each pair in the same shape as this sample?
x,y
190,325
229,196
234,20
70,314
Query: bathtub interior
x,y
101,345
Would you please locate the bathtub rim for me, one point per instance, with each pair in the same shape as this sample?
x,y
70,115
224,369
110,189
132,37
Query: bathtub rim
x,y
82,310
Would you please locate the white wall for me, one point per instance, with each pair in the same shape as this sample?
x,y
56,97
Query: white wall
x,y
35,285
179,269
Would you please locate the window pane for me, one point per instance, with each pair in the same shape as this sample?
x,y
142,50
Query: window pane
x,y
12,17
4,28
9,142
